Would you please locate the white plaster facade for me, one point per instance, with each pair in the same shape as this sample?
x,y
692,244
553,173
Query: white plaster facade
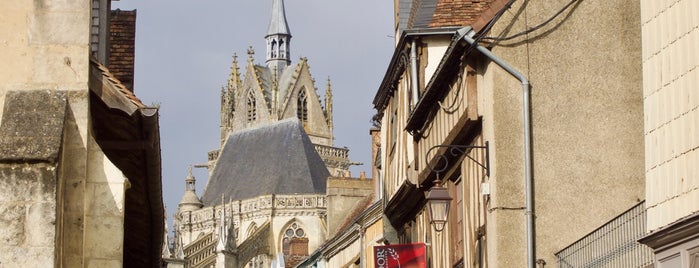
x,y
670,36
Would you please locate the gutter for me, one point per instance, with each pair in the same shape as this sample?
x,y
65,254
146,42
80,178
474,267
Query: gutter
x,y
467,34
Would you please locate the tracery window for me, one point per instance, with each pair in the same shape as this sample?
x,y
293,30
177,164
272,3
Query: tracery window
x,y
252,108
294,231
302,107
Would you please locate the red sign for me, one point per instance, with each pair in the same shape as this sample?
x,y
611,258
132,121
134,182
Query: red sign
x,y
400,256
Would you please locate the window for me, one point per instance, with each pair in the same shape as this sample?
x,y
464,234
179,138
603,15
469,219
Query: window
x,y
273,49
294,245
282,50
302,107
293,231
252,107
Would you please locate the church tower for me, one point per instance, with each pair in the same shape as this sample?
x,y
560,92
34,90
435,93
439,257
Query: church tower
x,y
278,37
261,94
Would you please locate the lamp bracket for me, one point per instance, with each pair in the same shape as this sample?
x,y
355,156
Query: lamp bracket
x,y
457,151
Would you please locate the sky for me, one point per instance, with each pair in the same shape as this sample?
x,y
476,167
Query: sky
x,y
184,54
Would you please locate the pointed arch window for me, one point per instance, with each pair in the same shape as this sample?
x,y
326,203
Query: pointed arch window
x,y
282,50
302,106
252,107
294,242
273,51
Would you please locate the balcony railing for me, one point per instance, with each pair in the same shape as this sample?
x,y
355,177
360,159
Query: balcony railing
x,y
332,152
612,245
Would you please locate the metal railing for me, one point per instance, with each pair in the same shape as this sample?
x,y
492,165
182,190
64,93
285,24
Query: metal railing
x,y
612,245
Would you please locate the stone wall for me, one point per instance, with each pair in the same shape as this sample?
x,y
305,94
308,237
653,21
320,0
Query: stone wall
x,y
344,195
55,215
29,177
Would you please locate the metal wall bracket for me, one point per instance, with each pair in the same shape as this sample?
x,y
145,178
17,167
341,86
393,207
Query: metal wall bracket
x,y
457,151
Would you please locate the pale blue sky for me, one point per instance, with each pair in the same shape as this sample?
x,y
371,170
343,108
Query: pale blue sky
x,y
184,52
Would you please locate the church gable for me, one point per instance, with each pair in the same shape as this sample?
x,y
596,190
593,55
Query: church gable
x,y
302,101
252,106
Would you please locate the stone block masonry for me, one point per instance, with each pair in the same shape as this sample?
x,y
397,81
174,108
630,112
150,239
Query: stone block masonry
x,y
30,141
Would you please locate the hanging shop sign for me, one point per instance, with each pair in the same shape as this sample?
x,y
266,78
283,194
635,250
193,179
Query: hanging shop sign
x,y
400,256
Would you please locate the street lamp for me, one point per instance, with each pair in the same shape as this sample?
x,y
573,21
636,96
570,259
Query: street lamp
x,y
437,197
438,201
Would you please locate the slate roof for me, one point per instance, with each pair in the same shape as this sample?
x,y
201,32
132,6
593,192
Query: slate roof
x,y
265,76
277,24
278,158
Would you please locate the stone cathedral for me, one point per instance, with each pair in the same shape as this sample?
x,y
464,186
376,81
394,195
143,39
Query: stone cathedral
x,y
264,204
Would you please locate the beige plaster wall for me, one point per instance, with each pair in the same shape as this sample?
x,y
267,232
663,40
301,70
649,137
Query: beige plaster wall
x,y
347,256
372,236
436,46
586,99
670,39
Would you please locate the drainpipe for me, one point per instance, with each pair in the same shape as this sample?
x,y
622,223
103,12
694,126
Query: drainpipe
x,y
413,71
467,34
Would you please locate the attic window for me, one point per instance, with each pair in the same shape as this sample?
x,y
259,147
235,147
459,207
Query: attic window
x,y
302,107
252,109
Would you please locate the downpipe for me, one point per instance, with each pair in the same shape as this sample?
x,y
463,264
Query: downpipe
x,y
413,72
467,34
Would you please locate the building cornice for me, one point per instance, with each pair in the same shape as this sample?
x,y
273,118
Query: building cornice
x,y
684,229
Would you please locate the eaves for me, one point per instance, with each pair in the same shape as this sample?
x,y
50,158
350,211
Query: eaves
x,y
397,66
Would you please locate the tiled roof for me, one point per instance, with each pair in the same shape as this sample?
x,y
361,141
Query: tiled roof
x,y
105,77
458,12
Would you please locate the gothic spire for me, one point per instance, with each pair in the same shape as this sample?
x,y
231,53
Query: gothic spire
x,y
278,37
234,78
277,23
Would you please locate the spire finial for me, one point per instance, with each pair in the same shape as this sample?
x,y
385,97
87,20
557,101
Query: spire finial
x,y
329,108
251,53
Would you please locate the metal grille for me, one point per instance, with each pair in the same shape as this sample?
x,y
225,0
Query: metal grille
x,y
612,245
